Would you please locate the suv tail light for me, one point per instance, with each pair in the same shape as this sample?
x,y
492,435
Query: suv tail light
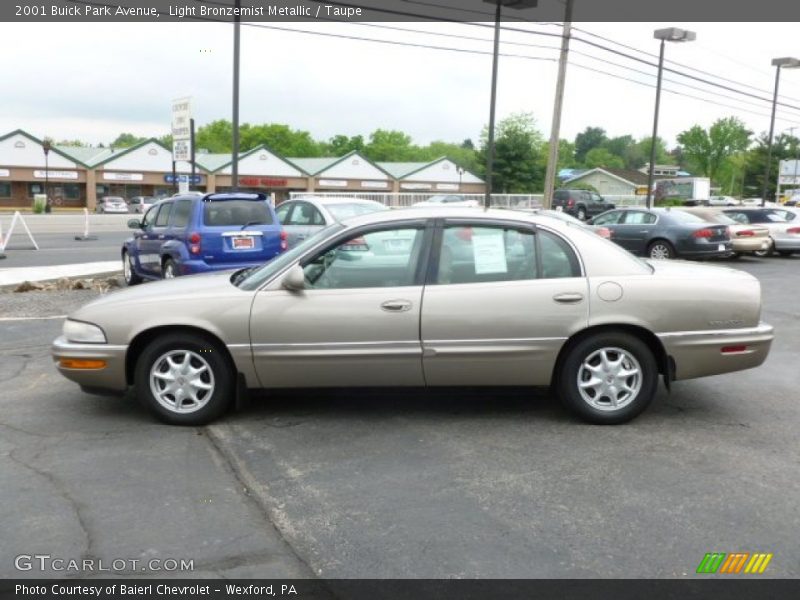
x,y
284,240
570,203
194,240
745,233
703,233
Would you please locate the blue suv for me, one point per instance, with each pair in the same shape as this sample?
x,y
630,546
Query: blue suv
x,y
199,233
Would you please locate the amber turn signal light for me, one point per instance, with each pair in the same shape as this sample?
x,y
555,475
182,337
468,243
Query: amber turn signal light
x,y
81,363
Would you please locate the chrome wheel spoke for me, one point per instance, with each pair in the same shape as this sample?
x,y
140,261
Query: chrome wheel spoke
x,y
609,379
182,381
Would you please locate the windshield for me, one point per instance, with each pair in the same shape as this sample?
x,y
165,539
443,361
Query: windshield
x,y
236,212
257,277
685,217
341,211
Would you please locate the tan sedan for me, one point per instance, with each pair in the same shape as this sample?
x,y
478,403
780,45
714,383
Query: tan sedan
x,y
424,297
745,239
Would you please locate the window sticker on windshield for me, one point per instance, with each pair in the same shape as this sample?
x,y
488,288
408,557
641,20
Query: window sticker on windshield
x,y
489,253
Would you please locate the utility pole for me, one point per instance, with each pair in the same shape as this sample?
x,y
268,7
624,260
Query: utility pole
x,y
487,201
555,127
191,143
235,157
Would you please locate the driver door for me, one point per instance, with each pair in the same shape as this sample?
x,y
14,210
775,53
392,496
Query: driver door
x,y
356,323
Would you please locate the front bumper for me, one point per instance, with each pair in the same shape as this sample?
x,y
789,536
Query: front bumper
x,y
699,353
111,377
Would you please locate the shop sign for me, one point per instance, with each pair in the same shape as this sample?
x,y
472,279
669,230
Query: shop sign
x,y
333,182
447,186
55,174
183,178
262,182
375,184
415,186
5,173
122,176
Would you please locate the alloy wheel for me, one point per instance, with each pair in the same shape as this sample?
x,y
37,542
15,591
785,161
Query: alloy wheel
x,y
181,381
609,379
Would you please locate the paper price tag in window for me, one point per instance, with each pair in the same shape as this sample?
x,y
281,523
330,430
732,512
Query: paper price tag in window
x,y
489,253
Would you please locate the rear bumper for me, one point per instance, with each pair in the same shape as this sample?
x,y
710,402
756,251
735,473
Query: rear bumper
x,y
111,377
709,250
787,244
750,244
191,267
699,353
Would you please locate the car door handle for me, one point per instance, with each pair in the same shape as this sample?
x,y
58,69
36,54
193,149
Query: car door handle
x,y
568,298
396,305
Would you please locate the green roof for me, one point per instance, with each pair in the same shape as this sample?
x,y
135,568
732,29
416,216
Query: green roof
x,y
399,169
212,162
312,166
88,155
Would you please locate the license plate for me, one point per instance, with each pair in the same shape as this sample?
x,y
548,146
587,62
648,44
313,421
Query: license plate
x,y
242,243
721,247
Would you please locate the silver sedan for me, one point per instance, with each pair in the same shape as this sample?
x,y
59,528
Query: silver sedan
x,y
424,297
304,216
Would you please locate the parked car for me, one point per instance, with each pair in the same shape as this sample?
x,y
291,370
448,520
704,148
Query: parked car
x,y
581,204
494,297
745,239
666,233
603,232
140,204
448,200
111,204
723,201
783,225
302,217
196,234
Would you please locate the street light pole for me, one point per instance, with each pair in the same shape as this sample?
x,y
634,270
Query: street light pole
x,y
517,4
235,157
46,148
778,63
671,34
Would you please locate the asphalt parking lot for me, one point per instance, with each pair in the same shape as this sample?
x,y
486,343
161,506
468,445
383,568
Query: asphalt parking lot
x,y
488,483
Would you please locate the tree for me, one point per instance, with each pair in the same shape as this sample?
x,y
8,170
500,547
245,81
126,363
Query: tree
x,y
785,147
707,151
604,158
519,153
216,136
641,152
126,140
73,143
389,145
588,139
339,145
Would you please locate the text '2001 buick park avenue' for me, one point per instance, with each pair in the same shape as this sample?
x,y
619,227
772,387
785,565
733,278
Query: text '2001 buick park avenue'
x,y
424,297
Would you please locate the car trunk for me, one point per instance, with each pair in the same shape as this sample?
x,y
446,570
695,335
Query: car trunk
x,y
239,231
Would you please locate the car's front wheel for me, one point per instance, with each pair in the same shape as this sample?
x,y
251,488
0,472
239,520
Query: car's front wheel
x,y
129,270
661,249
608,378
170,270
184,379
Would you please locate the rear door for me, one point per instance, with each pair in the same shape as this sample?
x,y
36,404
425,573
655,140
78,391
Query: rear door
x,y
636,230
238,228
500,301
153,237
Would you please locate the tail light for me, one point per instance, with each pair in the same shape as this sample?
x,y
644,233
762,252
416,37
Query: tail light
x,y
284,240
745,233
793,230
570,203
604,232
194,241
703,233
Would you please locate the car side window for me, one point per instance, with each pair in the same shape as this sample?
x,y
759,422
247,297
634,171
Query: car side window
x,y
283,211
305,214
383,258
609,218
181,213
557,258
486,254
162,218
780,215
739,217
149,217
637,217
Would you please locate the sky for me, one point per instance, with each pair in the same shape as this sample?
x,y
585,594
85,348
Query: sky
x,y
92,81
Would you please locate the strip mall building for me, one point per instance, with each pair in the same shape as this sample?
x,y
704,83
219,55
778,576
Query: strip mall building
x,y
77,176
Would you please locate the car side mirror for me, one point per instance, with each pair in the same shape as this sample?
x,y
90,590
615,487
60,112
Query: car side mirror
x,y
295,279
134,224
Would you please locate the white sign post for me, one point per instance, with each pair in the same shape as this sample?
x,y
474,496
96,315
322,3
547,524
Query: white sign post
x,y
181,131
17,217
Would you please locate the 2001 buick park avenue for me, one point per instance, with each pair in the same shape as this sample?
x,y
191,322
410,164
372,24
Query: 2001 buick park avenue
x,y
415,297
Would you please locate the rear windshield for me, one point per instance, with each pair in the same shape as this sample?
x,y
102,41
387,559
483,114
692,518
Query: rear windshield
x,y
236,212
685,217
341,212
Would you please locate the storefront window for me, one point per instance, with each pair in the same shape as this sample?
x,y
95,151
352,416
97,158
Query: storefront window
x,y
35,188
72,191
101,190
5,190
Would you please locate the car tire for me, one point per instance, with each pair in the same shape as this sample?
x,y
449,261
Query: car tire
x,y
736,255
169,270
128,269
785,253
660,249
198,366
766,252
581,213
628,361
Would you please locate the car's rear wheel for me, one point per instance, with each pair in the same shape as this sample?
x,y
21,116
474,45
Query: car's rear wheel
x,y
128,269
785,253
170,269
766,251
184,379
661,249
608,378
581,213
